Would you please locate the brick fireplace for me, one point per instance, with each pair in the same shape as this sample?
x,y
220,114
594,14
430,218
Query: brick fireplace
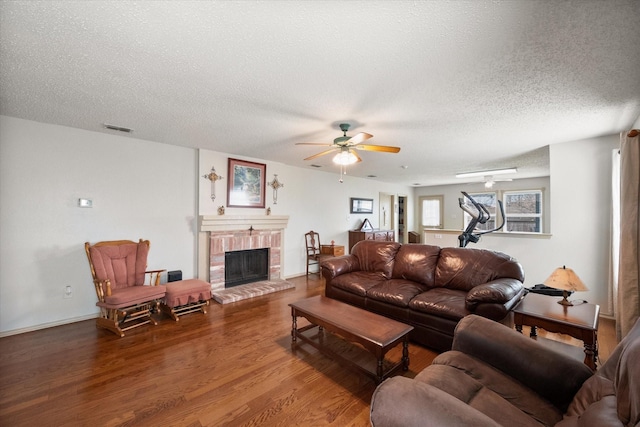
x,y
219,234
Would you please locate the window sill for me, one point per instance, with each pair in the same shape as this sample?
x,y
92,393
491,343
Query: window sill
x,y
495,233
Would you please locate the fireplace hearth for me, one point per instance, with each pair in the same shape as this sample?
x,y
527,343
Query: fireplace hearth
x,y
241,267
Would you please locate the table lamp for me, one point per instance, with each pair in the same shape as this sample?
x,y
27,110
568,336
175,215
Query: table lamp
x,y
566,280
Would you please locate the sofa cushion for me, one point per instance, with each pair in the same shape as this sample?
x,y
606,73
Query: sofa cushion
x,y
592,390
402,402
448,303
627,384
417,263
395,291
376,256
464,268
488,390
358,282
599,414
602,401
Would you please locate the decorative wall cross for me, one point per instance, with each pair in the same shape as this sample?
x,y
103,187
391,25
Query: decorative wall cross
x,y
213,177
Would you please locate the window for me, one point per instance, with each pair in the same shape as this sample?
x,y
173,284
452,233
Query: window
x,y
523,211
431,211
489,202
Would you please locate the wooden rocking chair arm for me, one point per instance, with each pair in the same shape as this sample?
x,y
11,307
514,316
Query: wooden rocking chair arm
x,y
103,288
151,274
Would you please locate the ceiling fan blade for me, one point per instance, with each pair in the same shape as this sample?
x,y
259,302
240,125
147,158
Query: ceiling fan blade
x,y
357,157
314,143
383,148
321,154
359,137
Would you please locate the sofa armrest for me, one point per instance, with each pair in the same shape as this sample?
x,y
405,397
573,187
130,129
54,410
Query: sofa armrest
x,y
497,291
335,266
404,402
555,376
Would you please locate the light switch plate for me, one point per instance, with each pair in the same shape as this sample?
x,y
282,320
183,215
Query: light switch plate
x,y
85,203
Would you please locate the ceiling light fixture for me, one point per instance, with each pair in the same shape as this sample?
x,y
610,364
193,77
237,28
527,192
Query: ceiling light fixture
x,y
345,157
486,172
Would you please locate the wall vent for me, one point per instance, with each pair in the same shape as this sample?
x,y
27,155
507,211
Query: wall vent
x,y
117,128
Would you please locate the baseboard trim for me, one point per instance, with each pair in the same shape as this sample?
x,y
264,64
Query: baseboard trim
x,y
47,325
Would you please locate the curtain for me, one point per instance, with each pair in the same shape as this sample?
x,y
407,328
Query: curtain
x,y
629,265
614,244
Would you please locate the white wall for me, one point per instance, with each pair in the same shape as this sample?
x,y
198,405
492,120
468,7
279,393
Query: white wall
x,y
581,212
139,189
154,191
579,201
453,218
313,199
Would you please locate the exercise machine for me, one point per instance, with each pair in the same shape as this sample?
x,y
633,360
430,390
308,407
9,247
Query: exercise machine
x,y
479,215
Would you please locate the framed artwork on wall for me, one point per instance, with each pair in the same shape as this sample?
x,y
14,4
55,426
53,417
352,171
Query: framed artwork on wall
x,y
361,206
246,184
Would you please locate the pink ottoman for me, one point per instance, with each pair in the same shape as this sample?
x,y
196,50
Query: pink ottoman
x,y
186,296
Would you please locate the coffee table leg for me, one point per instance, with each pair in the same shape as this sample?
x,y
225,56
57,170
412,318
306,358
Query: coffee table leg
x,y
534,332
294,325
379,370
405,354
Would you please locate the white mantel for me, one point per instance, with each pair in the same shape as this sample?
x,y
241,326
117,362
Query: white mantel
x,y
226,227
242,222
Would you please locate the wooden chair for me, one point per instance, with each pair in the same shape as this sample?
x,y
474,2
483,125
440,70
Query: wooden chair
x,y
119,274
314,256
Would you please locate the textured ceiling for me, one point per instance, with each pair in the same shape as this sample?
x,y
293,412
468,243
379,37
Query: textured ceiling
x,y
458,85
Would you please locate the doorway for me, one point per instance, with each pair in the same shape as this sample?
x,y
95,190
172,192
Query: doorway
x,y
403,230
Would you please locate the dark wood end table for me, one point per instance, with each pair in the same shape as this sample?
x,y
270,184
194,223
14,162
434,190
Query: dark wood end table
x,y
579,321
377,334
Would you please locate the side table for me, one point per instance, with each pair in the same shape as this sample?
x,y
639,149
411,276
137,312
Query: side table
x,y
333,250
579,321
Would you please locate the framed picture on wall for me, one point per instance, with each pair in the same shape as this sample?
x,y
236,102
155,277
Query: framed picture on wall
x,y
361,206
246,184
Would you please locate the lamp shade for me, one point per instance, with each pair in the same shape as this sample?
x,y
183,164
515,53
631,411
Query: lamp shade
x,y
565,279
345,157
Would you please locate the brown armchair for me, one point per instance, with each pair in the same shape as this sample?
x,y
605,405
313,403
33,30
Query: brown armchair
x,y
119,272
495,376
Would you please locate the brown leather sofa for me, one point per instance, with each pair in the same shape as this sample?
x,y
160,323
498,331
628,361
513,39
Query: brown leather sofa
x,y
428,287
495,376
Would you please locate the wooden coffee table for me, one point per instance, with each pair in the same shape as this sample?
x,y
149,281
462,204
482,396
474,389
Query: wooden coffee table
x,y
377,334
579,321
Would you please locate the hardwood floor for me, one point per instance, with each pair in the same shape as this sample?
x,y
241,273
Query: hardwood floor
x,y
234,366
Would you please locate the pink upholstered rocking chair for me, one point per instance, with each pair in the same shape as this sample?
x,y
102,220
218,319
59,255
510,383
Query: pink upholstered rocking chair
x,y
119,271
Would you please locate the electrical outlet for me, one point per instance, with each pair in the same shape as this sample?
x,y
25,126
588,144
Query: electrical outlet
x,y
438,236
68,292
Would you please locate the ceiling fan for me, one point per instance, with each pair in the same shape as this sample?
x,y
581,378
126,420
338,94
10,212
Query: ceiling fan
x,y
346,146
489,180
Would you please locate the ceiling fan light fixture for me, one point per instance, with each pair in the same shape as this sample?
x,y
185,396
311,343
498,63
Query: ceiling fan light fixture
x,y
488,181
345,158
487,172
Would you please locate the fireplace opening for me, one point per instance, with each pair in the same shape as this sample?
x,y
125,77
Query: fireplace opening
x,y
241,267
